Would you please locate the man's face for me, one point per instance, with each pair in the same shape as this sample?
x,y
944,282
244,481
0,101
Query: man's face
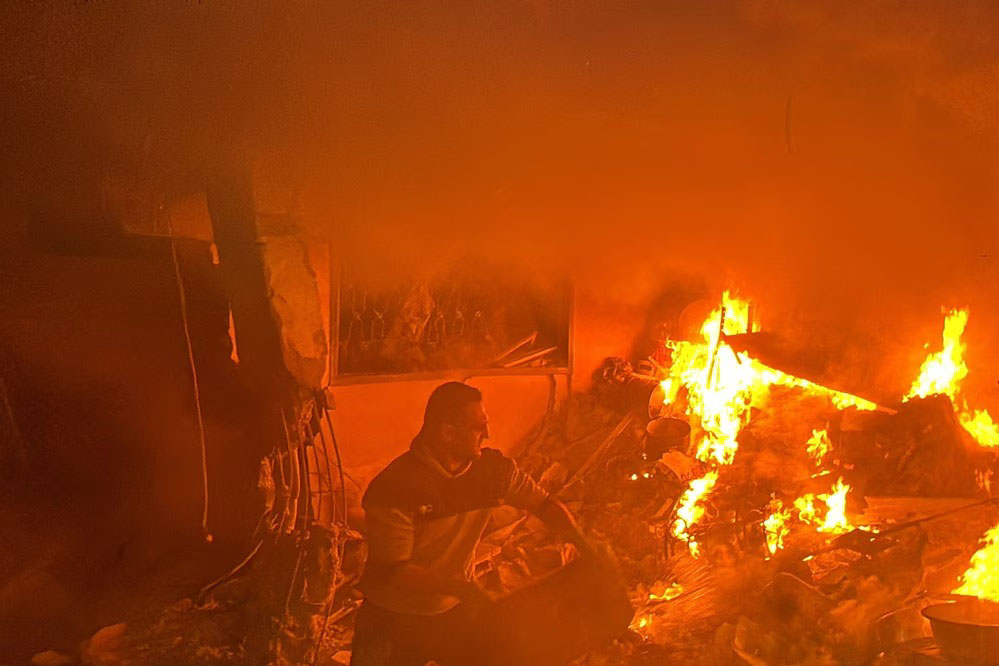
x,y
464,437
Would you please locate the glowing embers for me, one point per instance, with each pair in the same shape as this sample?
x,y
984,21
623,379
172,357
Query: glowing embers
x,y
662,592
775,526
982,577
942,373
641,622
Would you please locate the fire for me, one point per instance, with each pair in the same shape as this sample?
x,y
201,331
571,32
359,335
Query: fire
x,y
818,445
719,383
640,622
775,526
942,373
834,521
982,577
807,513
979,423
667,387
690,510
721,386
668,593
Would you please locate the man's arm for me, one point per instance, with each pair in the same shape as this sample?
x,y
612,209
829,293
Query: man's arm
x,y
525,493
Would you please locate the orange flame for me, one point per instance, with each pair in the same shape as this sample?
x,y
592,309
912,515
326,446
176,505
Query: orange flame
x,y
721,386
775,526
818,445
640,622
807,513
668,593
942,373
982,577
690,510
834,520
979,423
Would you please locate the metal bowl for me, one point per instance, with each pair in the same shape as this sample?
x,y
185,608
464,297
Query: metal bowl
x,y
665,434
967,631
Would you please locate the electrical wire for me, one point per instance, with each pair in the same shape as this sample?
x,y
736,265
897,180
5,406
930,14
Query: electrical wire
x,y
182,298
339,463
329,467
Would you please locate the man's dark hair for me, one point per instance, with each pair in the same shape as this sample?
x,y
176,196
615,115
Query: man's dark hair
x,y
447,402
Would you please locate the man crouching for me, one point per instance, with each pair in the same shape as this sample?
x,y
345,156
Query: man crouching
x,y
425,513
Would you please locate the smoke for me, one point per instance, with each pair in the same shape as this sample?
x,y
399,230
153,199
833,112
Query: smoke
x,y
836,162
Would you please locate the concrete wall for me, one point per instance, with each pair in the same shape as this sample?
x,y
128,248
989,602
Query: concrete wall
x,y
375,422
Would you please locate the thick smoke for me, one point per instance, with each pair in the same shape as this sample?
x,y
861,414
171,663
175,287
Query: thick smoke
x,y
837,162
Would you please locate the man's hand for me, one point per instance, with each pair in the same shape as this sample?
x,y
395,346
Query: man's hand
x,y
559,520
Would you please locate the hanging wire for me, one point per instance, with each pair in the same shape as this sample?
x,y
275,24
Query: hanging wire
x,y
182,298
329,468
339,463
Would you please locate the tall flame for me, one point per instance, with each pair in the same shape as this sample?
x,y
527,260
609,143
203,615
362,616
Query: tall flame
x,y
721,385
690,510
982,577
942,373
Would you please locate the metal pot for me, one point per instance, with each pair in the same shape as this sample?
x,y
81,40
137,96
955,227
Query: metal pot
x,y
665,434
967,631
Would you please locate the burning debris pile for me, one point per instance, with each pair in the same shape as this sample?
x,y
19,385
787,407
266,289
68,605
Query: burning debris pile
x,y
760,517
757,517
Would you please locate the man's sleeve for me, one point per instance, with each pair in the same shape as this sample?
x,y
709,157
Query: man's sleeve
x,y
390,535
523,492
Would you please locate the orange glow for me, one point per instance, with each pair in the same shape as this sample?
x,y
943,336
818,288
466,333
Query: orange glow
x,y
981,426
640,622
690,510
721,387
834,518
776,527
982,577
942,373
818,446
668,593
807,513
667,387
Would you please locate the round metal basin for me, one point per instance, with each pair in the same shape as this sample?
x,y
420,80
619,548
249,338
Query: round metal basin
x,y
967,631
665,434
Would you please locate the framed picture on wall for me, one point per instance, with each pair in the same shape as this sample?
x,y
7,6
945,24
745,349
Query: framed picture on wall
x,y
471,319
